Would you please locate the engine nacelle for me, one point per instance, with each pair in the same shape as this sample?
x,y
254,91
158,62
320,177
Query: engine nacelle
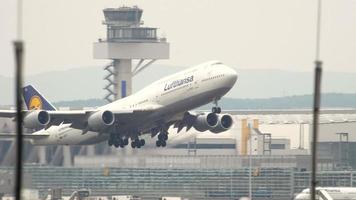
x,y
36,119
100,120
224,123
206,122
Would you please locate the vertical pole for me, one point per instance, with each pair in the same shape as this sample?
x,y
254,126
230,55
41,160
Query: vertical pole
x,y
347,151
245,132
351,179
316,106
41,150
316,111
250,164
18,58
340,150
231,175
301,136
18,47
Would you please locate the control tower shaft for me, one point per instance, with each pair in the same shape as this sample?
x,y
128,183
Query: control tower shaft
x,y
126,40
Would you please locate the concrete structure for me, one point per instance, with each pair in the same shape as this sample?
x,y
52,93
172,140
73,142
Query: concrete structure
x,y
126,39
6,182
192,177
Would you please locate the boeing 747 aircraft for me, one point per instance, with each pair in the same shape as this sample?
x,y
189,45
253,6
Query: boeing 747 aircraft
x,y
152,110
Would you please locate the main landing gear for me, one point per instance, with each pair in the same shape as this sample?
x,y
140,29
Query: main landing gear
x,y
117,141
137,143
216,109
162,139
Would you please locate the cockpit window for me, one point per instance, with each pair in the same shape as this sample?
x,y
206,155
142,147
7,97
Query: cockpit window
x,y
217,63
212,64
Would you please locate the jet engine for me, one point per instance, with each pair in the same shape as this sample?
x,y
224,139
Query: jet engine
x,y
206,122
100,120
224,123
36,119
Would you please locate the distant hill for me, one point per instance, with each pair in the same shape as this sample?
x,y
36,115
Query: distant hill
x,y
332,100
88,83
81,103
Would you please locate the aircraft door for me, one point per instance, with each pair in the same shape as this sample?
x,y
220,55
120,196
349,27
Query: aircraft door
x,y
156,99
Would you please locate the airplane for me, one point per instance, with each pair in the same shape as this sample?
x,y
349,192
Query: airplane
x,y
152,110
332,193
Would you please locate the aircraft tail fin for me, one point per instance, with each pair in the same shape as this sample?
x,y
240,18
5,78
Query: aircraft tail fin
x,y
34,100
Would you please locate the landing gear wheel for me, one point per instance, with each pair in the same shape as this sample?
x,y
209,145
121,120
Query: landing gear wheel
x,y
142,142
110,142
163,136
216,110
137,143
163,143
158,143
213,109
125,141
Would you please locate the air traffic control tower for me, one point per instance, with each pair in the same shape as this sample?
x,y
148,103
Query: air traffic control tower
x,y
127,39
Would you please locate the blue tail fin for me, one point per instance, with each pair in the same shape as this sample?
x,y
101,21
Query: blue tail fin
x,y
34,100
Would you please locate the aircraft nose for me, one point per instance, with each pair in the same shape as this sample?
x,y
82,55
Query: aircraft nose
x,y
230,74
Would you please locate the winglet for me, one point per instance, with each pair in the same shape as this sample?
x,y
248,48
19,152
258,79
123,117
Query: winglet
x,y
34,100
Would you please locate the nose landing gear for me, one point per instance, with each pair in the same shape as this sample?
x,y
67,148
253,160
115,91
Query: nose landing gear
x,y
216,109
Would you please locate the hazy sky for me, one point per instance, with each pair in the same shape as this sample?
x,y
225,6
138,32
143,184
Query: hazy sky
x,y
242,33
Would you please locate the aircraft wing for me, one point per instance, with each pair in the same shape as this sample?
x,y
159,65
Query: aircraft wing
x,y
26,136
76,117
79,118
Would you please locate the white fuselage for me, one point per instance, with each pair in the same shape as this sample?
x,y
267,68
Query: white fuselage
x,y
170,97
337,193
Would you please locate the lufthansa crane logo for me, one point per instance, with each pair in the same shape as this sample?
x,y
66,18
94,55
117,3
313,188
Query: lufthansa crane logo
x,y
35,103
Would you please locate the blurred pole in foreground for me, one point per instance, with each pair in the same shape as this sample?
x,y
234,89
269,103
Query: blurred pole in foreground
x,y
18,45
316,104
19,61
316,110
